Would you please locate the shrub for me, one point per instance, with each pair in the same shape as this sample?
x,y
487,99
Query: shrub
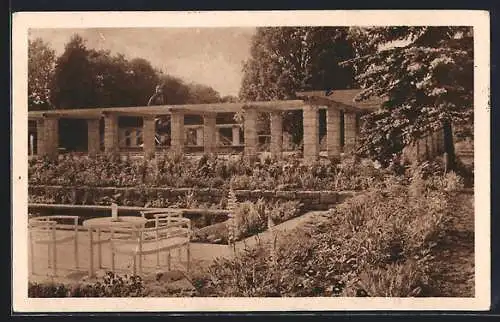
x,y
375,244
394,280
250,218
111,285
453,182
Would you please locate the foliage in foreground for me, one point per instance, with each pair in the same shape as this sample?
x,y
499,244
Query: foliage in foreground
x,y
376,244
380,244
111,285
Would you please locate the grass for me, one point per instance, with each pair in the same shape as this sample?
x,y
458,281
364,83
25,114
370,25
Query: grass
x,y
454,255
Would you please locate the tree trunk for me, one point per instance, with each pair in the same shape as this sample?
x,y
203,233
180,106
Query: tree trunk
x,y
449,146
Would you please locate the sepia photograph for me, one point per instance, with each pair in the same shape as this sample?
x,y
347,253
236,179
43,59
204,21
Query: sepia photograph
x,y
251,160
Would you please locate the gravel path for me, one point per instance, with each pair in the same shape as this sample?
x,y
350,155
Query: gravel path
x,y
455,254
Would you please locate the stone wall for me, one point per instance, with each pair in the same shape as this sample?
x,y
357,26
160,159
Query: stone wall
x,y
312,200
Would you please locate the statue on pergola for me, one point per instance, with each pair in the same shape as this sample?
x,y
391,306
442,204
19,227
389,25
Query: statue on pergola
x,y
158,97
162,123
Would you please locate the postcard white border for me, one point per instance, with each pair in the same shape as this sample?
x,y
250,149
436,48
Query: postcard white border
x,y
26,20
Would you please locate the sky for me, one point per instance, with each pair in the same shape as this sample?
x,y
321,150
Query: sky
x,y
209,56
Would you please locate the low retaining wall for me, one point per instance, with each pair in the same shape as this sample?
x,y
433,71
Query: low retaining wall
x,y
200,217
140,196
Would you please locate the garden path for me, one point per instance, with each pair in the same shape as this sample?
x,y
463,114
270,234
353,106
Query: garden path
x,y
268,235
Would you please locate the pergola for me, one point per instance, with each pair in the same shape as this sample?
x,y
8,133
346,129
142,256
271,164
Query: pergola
x,y
340,105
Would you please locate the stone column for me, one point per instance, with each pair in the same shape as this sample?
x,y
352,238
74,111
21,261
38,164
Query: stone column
x,y
251,138
111,133
286,141
349,131
209,133
276,134
311,133
333,124
236,135
177,132
93,137
434,144
427,146
40,137
418,149
437,141
199,136
50,136
148,136
441,140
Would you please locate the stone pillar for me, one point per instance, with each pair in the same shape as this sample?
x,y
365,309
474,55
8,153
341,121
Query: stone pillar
x,y
333,146
251,138
209,133
286,141
434,143
49,137
177,132
276,134
199,136
311,133
111,133
148,136
427,147
418,149
40,137
441,140
437,141
349,131
93,137
217,137
236,135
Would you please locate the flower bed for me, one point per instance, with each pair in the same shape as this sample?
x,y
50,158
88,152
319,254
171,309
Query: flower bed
x,y
210,171
250,218
154,197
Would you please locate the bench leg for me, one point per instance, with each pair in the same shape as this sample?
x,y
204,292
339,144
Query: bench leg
x,y
188,257
32,255
135,265
91,253
99,249
76,249
54,259
49,256
112,260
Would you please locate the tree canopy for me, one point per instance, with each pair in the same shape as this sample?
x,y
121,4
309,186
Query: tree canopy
x,y
426,76
41,61
284,60
82,77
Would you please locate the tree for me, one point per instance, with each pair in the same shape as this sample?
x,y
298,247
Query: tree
x,y
96,78
199,94
111,81
143,78
285,60
426,75
175,90
73,82
229,99
41,61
